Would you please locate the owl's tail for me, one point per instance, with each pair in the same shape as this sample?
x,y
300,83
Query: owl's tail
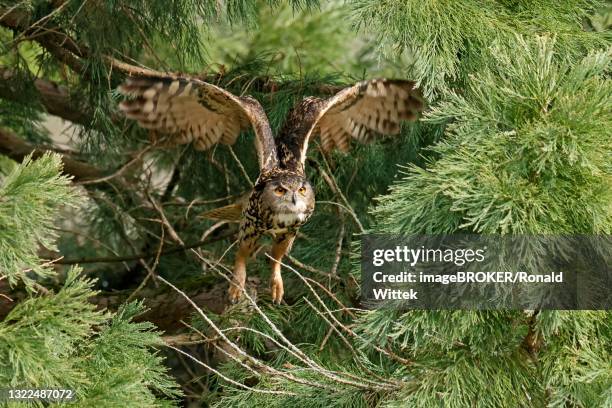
x,y
232,213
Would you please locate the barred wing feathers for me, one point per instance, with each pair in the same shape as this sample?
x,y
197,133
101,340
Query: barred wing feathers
x,y
195,111
363,111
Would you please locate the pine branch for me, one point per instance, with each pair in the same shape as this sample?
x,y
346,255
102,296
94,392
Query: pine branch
x,y
67,50
61,45
166,307
29,197
145,255
55,98
17,149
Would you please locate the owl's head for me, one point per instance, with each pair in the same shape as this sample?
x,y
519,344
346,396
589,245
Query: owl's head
x,y
288,194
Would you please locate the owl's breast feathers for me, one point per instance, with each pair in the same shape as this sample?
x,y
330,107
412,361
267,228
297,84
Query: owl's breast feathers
x,y
288,221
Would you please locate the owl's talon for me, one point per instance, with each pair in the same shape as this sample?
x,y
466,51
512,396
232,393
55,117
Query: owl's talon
x,y
234,293
276,287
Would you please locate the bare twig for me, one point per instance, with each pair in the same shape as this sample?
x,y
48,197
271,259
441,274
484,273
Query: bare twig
x,y
235,347
111,259
334,268
333,297
151,271
309,268
341,325
229,380
345,208
90,238
298,353
17,149
185,339
326,338
121,170
240,166
199,202
391,384
165,221
331,182
225,352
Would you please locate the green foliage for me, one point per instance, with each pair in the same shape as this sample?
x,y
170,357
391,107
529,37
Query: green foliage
x,y
135,376
525,154
60,340
576,366
30,197
40,334
450,39
306,397
516,141
294,42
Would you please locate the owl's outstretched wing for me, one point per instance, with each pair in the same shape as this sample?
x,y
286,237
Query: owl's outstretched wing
x,y
361,112
192,110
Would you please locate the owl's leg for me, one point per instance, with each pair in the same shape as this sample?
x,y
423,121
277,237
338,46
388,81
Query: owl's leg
x,y
245,248
280,248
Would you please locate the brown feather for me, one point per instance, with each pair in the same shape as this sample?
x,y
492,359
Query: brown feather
x,y
361,112
195,111
232,213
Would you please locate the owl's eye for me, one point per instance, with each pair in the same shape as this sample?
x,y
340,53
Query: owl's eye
x,y
279,191
302,190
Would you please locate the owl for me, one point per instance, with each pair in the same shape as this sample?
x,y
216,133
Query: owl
x,y
282,199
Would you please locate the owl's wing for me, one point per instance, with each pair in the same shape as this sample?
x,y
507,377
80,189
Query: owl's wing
x,y
192,110
363,111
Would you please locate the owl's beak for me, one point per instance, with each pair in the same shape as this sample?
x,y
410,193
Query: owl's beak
x,y
294,198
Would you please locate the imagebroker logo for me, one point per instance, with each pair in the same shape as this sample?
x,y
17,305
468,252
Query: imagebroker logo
x,y
486,272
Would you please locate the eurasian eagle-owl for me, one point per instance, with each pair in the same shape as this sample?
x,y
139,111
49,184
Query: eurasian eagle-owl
x,y
282,199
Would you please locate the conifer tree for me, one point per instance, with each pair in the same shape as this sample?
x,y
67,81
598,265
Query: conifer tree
x,y
113,286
